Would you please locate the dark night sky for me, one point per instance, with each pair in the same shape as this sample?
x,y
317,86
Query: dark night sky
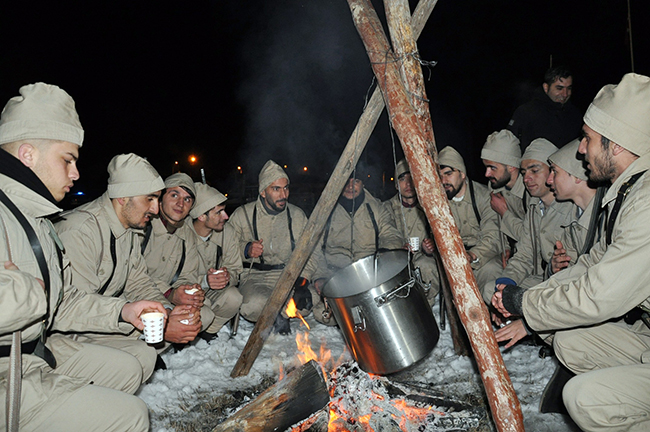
x,y
237,83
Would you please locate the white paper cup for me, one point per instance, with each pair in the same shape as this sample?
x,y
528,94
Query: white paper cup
x,y
217,271
191,291
414,243
154,326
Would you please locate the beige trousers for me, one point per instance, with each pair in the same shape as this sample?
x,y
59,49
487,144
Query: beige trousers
x,y
225,304
612,389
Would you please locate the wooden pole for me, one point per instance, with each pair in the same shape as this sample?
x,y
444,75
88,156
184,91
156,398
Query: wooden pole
x,y
318,218
504,404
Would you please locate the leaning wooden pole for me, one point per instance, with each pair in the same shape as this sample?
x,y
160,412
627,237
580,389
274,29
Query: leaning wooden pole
x,y
504,404
324,206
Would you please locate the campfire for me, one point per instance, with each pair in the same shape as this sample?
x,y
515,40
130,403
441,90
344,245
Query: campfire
x,y
326,395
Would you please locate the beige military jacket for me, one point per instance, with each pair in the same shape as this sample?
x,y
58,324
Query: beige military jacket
x,y
610,280
86,233
23,305
230,256
350,238
535,248
163,255
276,235
512,221
482,238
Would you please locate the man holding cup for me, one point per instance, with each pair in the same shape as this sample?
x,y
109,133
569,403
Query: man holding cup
x,y
40,138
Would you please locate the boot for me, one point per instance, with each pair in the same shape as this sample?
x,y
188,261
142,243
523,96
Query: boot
x,y
282,325
552,396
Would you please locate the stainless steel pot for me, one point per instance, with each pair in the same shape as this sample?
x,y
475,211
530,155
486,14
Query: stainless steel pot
x,y
382,312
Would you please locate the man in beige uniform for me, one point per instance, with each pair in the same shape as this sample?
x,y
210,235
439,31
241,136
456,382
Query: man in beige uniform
x,y
501,156
568,181
476,221
103,243
267,231
544,221
582,303
170,250
219,252
412,222
40,137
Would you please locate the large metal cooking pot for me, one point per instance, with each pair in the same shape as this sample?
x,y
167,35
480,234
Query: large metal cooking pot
x,y
383,313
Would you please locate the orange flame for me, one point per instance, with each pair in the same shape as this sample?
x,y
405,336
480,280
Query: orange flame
x,y
292,312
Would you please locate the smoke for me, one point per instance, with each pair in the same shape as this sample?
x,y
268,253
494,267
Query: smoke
x,y
306,82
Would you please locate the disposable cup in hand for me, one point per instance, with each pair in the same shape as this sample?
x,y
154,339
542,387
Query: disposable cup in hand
x,y
414,242
191,291
154,325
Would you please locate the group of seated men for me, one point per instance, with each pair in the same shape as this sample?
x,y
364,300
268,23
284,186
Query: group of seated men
x,y
555,240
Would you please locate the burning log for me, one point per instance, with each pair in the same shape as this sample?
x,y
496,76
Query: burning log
x,y
504,404
297,396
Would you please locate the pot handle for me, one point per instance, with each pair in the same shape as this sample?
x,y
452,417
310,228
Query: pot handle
x,y
358,318
388,296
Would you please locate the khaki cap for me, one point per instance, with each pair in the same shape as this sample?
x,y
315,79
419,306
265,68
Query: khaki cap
x,y
502,147
42,111
131,175
539,150
269,173
207,198
448,156
567,159
622,113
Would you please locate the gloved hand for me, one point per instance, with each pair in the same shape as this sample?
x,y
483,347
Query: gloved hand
x,y
302,295
282,325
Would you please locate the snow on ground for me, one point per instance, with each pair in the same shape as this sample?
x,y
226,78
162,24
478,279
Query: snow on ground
x,y
204,370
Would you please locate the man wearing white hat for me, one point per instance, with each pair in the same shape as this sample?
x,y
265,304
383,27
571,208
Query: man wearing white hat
x,y
501,156
102,239
40,137
169,249
219,253
412,222
469,202
545,218
267,230
583,302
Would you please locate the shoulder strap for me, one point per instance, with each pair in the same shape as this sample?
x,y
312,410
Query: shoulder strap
x,y
620,197
471,193
328,225
147,236
374,225
596,217
255,235
180,265
293,240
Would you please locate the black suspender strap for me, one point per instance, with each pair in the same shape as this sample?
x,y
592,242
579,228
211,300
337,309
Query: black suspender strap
x,y
219,254
375,226
41,350
293,240
255,235
620,197
328,225
147,236
102,290
471,193
180,266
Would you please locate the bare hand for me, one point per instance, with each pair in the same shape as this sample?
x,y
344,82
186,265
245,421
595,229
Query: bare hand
x,y
9,265
256,249
180,297
428,246
178,332
498,203
560,260
131,311
218,281
513,332
471,256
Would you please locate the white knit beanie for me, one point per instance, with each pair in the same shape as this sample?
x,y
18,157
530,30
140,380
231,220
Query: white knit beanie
x,y
269,173
567,159
502,147
207,198
131,175
448,156
539,150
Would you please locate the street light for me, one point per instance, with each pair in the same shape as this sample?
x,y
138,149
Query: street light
x,y
193,159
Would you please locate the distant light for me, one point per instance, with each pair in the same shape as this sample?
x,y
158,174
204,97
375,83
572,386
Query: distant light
x,y
192,159
285,167
368,175
79,193
225,195
176,163
304,169
238,168
391,179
